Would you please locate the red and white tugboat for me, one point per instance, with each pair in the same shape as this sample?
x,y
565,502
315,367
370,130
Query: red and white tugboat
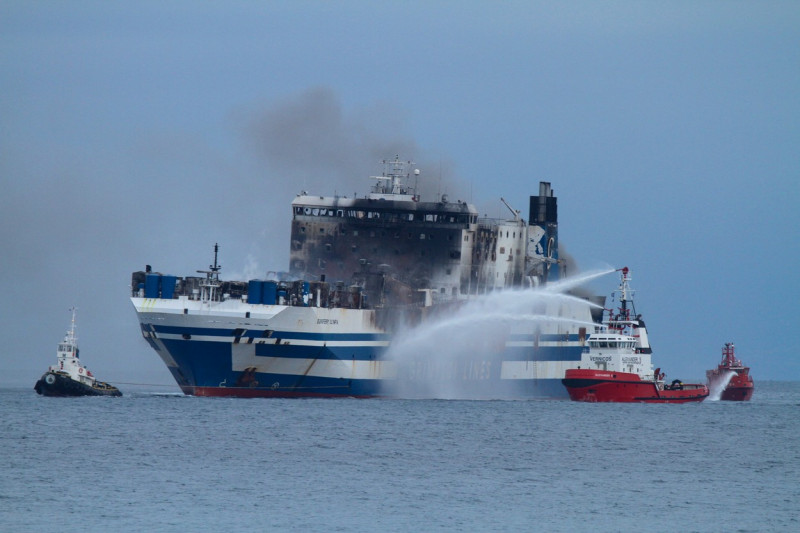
x,y
616,365
68,377
731,376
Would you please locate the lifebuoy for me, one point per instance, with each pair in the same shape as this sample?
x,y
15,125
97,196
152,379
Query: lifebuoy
x,y
50,379
80,371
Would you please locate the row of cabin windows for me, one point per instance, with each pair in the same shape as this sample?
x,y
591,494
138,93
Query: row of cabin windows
x,y
322,263
487,236
612,344
422,236
383,234
454,254
386,215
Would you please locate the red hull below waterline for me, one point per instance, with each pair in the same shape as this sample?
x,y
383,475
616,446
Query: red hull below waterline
x,y
245,392
585,385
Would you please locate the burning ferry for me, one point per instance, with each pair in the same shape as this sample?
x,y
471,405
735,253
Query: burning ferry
x,y
363,271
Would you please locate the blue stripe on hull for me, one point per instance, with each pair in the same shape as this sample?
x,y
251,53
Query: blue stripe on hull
x,y
209,364
259,334
289,351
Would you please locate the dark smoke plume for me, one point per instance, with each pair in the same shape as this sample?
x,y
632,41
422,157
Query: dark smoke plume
x,y
310,142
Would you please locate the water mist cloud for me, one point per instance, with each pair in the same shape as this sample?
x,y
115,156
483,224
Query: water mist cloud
x,y
480,330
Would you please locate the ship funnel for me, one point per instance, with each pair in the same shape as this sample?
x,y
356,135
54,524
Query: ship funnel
x,y
544,216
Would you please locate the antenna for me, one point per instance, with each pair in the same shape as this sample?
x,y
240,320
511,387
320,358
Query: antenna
x,y
215,267
439,191
212,278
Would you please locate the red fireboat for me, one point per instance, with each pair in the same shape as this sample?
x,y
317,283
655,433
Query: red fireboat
x,y
739,388
588,385
616,365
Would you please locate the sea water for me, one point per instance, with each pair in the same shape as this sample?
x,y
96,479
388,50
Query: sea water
x,y
166,462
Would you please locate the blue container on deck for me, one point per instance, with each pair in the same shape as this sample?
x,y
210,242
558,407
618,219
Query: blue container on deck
x,y
270,292
167,287
254,291
152,285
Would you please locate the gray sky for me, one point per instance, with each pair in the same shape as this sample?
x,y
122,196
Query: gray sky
x,y
135,134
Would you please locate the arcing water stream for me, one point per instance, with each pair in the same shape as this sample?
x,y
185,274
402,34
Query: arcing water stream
x,y
482,327
716,388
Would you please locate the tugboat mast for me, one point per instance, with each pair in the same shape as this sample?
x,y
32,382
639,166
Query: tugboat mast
x,y
625,295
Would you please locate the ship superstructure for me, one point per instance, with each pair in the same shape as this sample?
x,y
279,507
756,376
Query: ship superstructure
x,y
440,246
360,269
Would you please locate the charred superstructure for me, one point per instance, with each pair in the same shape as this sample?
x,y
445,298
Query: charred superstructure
x,y
360,268
441,248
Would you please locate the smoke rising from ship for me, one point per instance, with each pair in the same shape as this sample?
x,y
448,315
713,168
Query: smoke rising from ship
x,y
311,142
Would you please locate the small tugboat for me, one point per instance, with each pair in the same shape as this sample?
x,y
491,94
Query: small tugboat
x,y
731,376
68,377
616,364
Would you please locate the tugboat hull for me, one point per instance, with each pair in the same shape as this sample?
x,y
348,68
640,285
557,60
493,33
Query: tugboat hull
x,y
57,384
585,385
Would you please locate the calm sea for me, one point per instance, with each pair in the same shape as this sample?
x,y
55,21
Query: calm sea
x,y
162,462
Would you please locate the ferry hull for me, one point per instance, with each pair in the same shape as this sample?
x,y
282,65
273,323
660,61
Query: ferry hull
x,y
266,355
600,386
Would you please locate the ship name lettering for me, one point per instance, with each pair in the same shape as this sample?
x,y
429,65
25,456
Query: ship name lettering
x,y
598,359
634,360
327,321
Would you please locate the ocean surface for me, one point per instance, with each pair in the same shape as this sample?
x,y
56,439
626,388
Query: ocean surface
x,y
165,462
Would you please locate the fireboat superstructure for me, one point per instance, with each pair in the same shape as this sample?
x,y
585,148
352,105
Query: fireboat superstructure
x,y
617,363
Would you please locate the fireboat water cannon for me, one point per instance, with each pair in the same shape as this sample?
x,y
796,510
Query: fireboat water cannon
x,y
625,319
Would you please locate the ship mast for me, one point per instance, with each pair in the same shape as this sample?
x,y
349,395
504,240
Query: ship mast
x,y
623,318
208,289
73,339
390,184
